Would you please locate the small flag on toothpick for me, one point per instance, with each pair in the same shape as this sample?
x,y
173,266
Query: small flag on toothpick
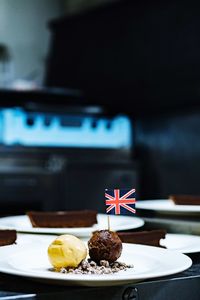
x,y
120,201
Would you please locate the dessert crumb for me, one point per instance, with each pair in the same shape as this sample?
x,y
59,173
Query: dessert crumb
x,y
88,266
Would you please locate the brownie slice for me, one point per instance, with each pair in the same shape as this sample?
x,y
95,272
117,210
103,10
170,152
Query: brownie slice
x,y
185,199
7,237
61,219
151,237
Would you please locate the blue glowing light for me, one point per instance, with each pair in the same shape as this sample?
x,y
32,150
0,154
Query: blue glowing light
x,y
47,130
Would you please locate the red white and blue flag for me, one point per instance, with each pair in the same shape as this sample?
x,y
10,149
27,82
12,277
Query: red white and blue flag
x,y
120,201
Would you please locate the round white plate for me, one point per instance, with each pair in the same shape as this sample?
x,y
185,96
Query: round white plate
x,y
184,243
117,222
167,206
149,262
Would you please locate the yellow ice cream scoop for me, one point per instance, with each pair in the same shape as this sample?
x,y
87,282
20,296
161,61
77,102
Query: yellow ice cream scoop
x,y
66,251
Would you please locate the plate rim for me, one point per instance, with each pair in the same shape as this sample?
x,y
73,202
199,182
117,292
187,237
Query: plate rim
x,y
178,235
186,209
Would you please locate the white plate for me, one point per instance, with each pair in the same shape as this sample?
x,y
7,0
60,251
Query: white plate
x,y
117,222
184,243
167,206
24,240
149,262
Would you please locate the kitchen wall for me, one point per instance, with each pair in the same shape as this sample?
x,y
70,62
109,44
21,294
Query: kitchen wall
x,y
24,31
74,6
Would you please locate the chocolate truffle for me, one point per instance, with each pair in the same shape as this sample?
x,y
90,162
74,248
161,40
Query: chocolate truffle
x,y
104,245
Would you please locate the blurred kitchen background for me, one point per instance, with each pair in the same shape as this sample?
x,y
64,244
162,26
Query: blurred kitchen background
x,y
97,94
25,36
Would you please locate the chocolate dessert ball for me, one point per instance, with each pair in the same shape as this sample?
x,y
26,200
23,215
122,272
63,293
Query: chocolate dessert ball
x,y
104,245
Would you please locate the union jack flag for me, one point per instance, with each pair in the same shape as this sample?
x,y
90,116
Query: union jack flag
x,y
120,201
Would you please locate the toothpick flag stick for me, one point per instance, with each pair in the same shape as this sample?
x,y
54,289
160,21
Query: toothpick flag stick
x,y
108,223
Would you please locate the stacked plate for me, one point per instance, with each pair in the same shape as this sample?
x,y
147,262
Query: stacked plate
x,y
163,213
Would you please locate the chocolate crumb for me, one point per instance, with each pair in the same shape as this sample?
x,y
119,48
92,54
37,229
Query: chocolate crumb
x,y
88,266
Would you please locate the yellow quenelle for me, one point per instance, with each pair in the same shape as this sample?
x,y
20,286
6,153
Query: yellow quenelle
x,y
66,251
